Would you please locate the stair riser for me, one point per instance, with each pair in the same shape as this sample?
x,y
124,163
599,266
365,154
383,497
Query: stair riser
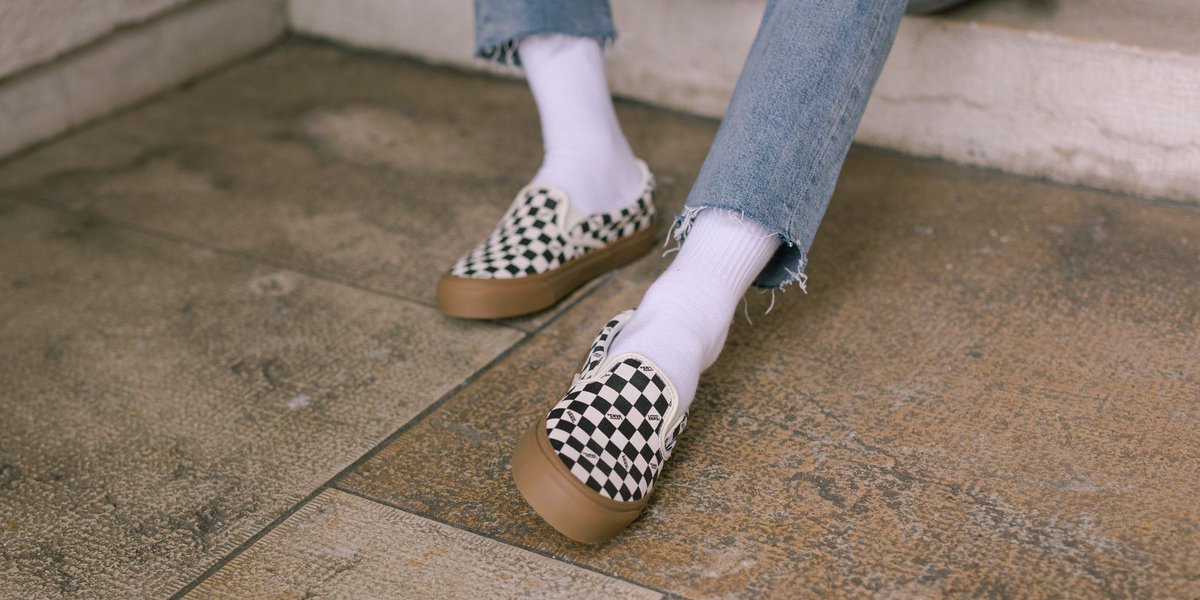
x,y
1097,114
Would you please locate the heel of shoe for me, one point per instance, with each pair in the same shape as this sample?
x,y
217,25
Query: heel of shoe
x,y
562,500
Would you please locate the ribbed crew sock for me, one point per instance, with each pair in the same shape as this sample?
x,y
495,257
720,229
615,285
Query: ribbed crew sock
x,y
586,153
684,317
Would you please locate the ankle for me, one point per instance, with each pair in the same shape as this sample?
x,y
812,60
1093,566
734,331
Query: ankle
x,y
679,332
587,155
678,350
595,178
672,311
684,318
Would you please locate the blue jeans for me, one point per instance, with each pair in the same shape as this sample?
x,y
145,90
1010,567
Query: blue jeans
x,y
798,101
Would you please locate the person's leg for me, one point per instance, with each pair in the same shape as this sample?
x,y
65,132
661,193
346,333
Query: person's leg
x,y
590,206
590,464
770,173
682,320
560,46
586,153
500,25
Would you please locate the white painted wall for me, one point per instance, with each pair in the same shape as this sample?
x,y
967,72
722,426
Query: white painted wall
x,y
1078,111
35,31
1016,86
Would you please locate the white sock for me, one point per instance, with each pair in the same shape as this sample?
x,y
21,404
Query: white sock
x,y
585,152
684,317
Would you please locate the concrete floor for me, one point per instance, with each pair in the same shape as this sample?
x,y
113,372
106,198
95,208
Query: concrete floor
x,y
223,373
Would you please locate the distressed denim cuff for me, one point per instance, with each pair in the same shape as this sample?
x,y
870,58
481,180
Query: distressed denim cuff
x,y
786,266
500,24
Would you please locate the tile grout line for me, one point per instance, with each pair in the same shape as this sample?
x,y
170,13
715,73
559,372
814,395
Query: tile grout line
x,y
242,256
331,483
484,534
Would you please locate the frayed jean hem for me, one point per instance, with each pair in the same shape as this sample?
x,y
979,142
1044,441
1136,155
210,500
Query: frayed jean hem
x,y
785,268
506,52
500,24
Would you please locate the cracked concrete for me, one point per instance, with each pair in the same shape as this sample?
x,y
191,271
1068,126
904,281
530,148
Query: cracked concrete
x,y
988,391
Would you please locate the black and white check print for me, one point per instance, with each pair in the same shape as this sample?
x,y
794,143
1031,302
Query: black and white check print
x,y
610,429
534,238
599,347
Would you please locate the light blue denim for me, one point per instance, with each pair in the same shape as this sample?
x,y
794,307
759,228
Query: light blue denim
x,y
798,101
500,24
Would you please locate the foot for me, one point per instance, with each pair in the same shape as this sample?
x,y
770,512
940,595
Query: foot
x,y
589,465
543,249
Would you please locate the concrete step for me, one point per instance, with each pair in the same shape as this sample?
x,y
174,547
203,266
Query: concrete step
x,y
62,66
1102,93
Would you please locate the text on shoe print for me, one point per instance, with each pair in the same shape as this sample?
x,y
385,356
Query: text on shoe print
x,y
653,418
615,416
646,369
571,417
592,456
625,462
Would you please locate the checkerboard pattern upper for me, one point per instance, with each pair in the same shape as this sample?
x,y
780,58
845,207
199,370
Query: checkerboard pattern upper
x,y
600,345
532,239
609,429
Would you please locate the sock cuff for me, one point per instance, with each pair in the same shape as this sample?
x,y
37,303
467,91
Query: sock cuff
x,y
682,321
726,246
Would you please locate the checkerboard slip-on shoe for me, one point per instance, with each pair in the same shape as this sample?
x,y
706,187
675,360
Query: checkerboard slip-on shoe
x,y
542,250
589,465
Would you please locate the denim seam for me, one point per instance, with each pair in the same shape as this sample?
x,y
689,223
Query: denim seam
x,y
683,221
807,196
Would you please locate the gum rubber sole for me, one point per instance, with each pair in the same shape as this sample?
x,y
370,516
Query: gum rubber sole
x,y
564,502
469,298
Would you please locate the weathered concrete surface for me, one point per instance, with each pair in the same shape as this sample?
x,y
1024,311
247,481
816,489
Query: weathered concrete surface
x,y
990,390
358,168
34,32
162,403
342,546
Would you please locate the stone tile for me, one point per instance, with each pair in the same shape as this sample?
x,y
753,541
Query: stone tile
x,y
163,403
343,546
366,169
989,390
